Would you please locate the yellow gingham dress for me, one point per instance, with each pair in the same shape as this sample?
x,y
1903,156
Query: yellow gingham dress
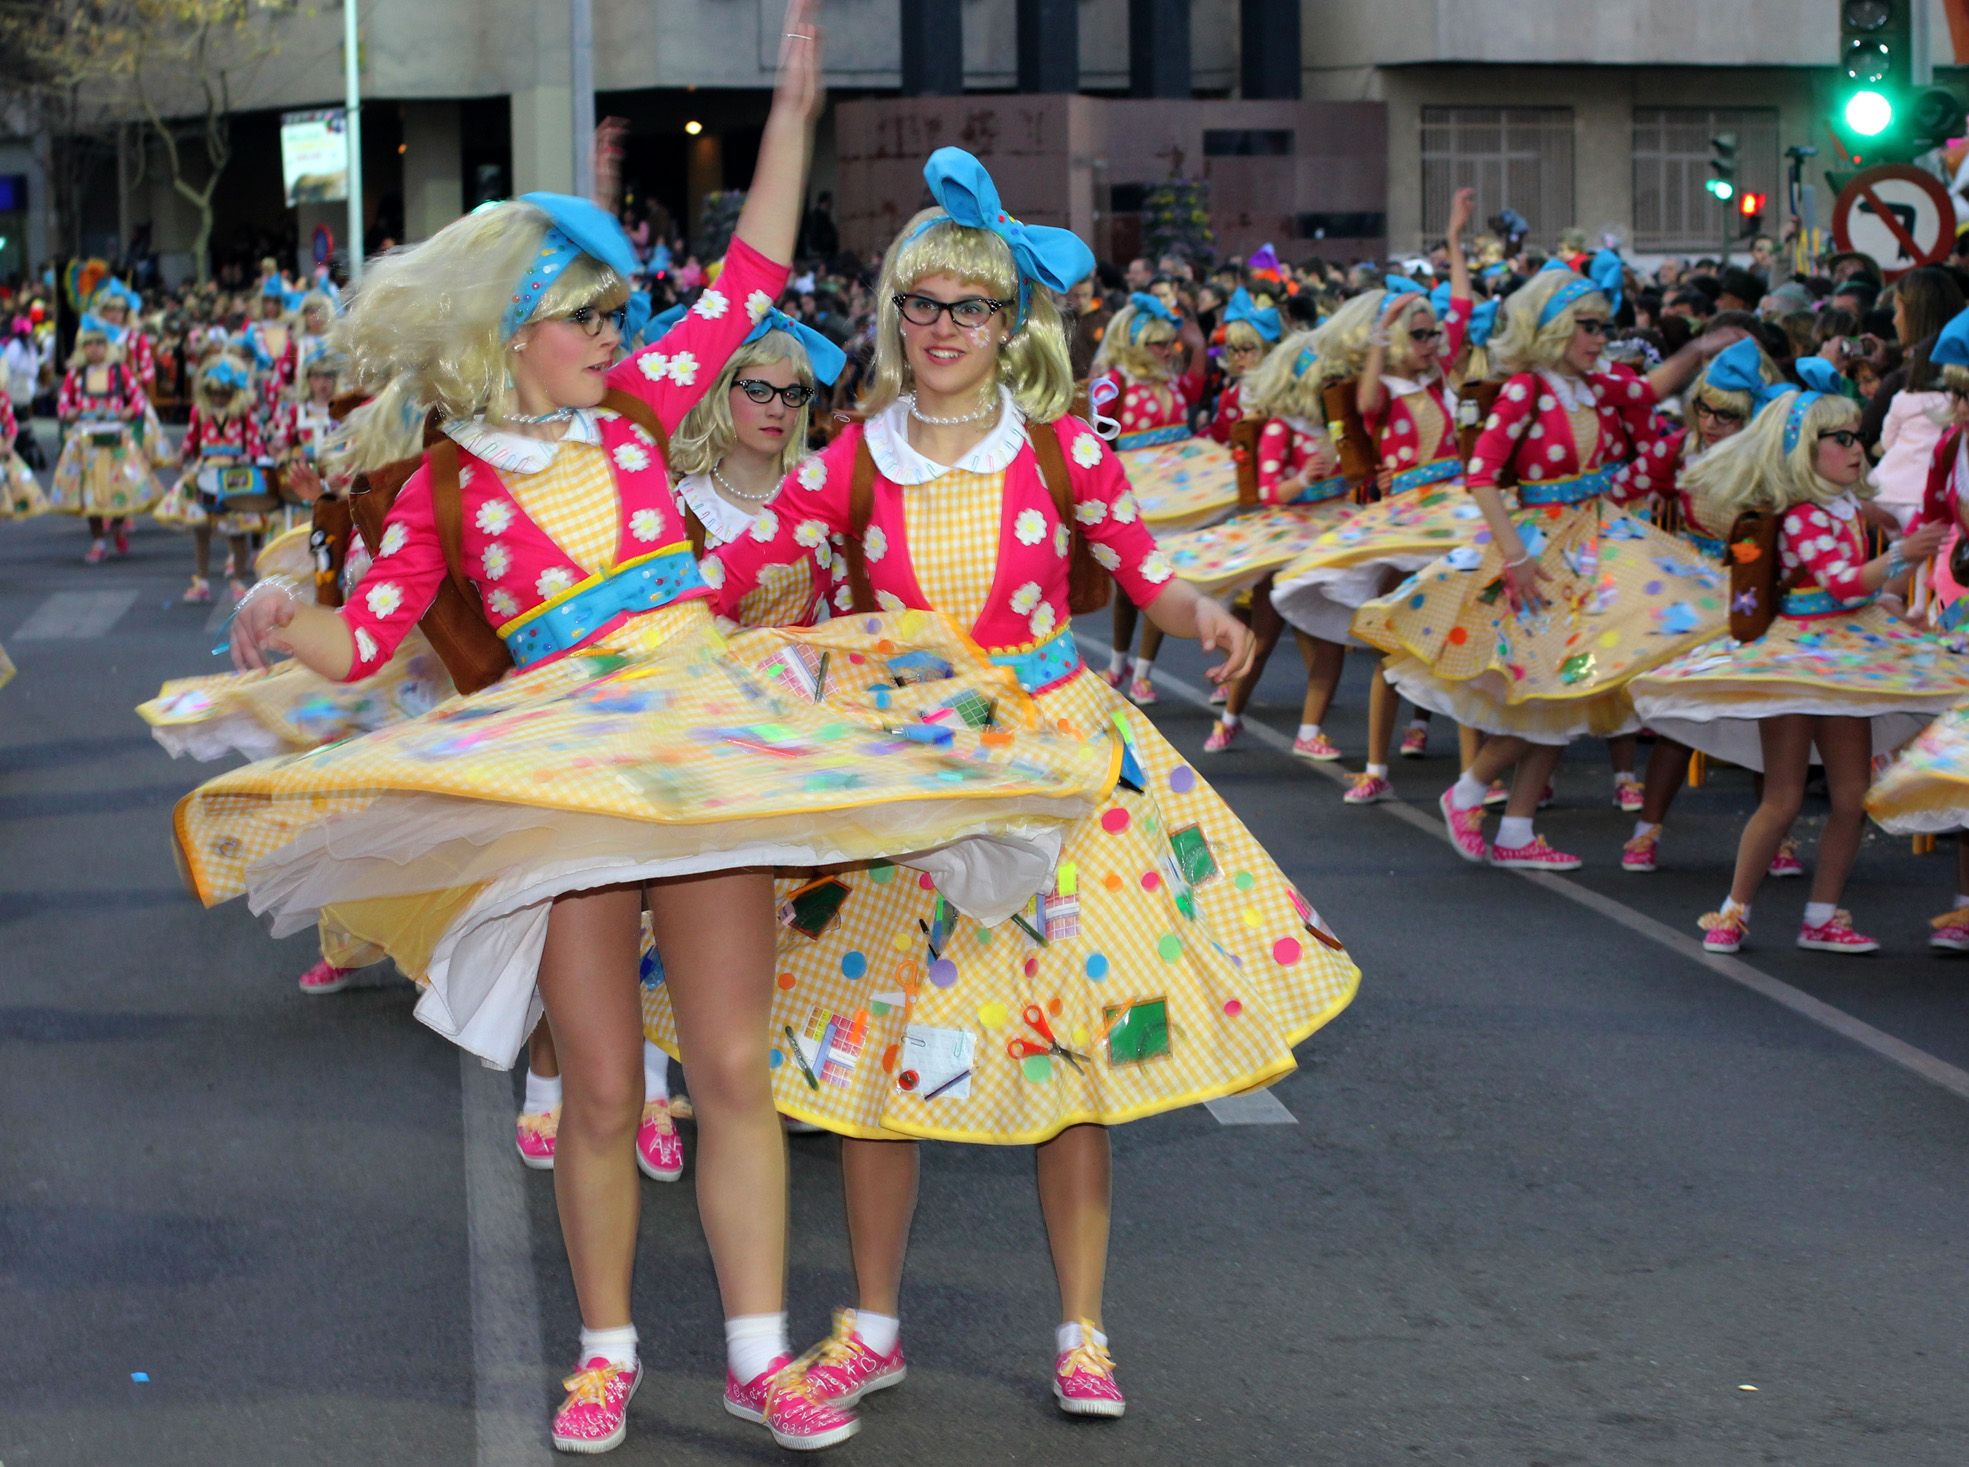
x,y
1174,971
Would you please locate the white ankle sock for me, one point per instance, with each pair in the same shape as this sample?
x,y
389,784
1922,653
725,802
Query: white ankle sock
x,y
1118,663
617,1346
1817,914
1379,771
543,1093
1230,720
753,1342
656,1073
878,1331
1740,909
1143,667
1468,792
1309,730
1068,1337
1514,831
1642,827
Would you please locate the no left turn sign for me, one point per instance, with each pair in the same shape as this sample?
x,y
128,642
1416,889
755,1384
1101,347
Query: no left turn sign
x,y
1896,213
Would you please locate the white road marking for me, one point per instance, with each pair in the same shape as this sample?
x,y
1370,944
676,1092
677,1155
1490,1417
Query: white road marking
x,y
74,615
1932,1068
1259,1108
509,1378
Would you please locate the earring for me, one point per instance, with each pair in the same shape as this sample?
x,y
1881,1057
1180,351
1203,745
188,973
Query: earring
x,y
519,346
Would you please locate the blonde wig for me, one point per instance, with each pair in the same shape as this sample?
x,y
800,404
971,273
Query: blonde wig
x,y
222,400
1289,381
707,432
94,333
1726,401
1752,470
1125,346
1521,343
424,329
317,300
1243,336
1033,365
1955,379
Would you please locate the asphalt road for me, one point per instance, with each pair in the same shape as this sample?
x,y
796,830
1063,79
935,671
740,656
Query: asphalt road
x,y
1555,1190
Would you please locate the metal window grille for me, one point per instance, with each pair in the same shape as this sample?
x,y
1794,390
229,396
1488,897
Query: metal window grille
x,y
1514,157
1673,211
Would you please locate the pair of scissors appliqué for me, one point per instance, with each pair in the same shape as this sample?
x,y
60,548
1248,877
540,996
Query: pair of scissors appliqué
x,y
1020,1049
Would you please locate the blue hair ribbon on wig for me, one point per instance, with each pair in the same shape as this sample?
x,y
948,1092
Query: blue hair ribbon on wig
x,y
227,373
1951,348
823,356
1148,308
1604,275
576,227
1057,258
1243,308
1821,379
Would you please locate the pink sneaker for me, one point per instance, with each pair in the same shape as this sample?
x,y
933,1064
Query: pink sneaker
x,y
122,541
325,977
1222,736
783,1398
1497,796
1083,1379
1537,856
1319,748
845,1369
199,591
1115,679
1627,793
1951,930
1837,936
1466,829
595,1415
534,1136
97,553
1724,931
1367,789
1786,862
1639,853
1142,693
1415,743
1219,696
659,1149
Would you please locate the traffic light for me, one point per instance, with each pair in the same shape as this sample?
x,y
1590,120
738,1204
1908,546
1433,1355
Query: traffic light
x,y
1723,166
1879,106
1750,211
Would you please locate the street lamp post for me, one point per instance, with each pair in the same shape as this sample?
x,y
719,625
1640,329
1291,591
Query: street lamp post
x,y
352,124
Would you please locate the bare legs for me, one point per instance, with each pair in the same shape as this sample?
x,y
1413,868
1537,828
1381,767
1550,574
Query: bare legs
x,y
879,1183
1535,765
1846,751
1668,767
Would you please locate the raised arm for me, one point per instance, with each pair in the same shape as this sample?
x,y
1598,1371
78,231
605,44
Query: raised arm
x,y
770,219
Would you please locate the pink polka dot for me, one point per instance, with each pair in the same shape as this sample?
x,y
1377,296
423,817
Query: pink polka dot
x,y
1150,881
1285,952
1114,820
1032,967
1233,1008
926,881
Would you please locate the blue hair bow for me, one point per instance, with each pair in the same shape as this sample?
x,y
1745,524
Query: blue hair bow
x,y
576,227
226,372
1821,379
823,356
274,286
1483,321
1604,275
115,290
92,322
1739,368
1148,307
1243,308
1951,347
1057,258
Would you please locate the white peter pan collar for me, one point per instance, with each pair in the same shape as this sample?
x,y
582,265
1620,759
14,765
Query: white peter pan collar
x,y
723,521
898,461
1574,393
1842,508
517,453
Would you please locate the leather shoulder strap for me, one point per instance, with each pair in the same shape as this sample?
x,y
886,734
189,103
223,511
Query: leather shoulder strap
x,y
447,507
642,415
861,506
1045,441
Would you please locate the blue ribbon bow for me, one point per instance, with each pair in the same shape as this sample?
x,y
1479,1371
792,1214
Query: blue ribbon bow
x,y
1483,321
92,322
115,290
1605,275
1243,308
576,227
1821,379
1148,308
226,372
1739,368
823,356
1952,345
1057,258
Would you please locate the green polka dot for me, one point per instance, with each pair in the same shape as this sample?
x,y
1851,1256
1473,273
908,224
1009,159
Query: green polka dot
x,y
984,937
1186,904
1244,881
881,875
1170,946
1038,1068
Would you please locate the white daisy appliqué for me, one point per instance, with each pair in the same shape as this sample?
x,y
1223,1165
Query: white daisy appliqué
x,y
394,539
1062,538
384,599
1125,508
889,601
844,598
495,517
764,526
631,458
713,571
365,646
1025,598
1105,557
1155,569
552,582
711,305
645,525
812,475
654,365
1029,527
1090,511
756,306
810,533
503,604
874,544
1087,450
683,369
1043,620
496,560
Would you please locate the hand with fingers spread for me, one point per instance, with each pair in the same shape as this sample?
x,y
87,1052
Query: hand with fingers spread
x,y
257,623
1218,631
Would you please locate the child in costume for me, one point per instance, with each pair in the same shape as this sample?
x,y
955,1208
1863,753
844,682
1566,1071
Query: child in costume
x,y
1150,366
1531,633
1167,960
20,493
224,431
117,306
1297,471
637,757
1250,332
102,472
1833,671
271,343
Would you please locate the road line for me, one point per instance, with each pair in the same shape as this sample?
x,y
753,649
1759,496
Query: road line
x,y
1933,1069
1258,1108
73,615
508,1373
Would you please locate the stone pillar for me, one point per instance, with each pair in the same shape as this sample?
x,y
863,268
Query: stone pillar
x,y
932,48
1159,48
1049,46
433,168
543,109
1268,60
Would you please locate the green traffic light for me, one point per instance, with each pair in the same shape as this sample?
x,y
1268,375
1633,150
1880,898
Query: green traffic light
x,y
1869,113
1722,188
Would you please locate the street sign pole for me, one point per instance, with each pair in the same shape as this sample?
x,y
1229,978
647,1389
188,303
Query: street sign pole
x,y
581,87
352,131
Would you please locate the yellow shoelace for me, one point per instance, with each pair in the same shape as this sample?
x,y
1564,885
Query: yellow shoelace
x,y
590,1387
1954,917
838,1348
541,1123
1089,1355
658,1112
1710,921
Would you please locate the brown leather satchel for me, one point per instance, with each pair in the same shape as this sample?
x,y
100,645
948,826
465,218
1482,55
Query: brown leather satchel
x,y
1244,451
1349,433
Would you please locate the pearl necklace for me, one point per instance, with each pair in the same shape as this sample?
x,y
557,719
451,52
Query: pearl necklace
x,y
989,410
737,493
558,415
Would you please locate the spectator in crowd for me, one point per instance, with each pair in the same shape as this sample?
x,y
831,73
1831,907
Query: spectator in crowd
x,y
1738,290
1910,409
